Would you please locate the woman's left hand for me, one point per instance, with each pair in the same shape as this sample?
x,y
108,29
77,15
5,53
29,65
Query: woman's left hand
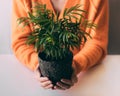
x,y
65,83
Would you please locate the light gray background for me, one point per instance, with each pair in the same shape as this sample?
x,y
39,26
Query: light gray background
x,y
5,29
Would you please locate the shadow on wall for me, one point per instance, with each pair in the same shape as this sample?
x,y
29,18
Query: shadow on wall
x,y
114,27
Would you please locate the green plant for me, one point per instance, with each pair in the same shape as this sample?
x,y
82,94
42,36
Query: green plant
x,y
55,36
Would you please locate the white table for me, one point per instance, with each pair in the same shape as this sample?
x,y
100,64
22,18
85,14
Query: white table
x,y
102,80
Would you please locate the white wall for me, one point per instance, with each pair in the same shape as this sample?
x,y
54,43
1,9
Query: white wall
x,y
5,30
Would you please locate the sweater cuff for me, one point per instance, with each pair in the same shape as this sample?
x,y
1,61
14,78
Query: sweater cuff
x,y
80,62
34,61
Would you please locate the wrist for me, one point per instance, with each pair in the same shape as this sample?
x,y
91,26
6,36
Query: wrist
x,y
37,67
77,68
74,68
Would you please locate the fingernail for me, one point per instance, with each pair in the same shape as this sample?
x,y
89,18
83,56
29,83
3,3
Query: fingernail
x,y
51,85
46,78
61,80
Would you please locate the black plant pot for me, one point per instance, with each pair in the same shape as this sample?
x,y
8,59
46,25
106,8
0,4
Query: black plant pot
x,y
57,69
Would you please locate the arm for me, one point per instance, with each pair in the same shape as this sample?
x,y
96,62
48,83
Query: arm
x,y
24,53
95,49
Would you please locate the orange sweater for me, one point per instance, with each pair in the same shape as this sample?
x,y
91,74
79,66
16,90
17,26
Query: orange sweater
x,y
93,51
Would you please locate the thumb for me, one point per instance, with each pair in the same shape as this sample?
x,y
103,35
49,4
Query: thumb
x,y
74,77
37,71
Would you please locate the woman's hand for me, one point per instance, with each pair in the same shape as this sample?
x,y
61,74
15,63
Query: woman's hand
x,y
65,83
44,81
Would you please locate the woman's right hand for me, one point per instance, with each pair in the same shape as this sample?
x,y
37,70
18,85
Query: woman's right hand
x,y
44,81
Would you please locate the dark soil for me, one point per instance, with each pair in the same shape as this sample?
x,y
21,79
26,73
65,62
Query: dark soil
x,y
57,69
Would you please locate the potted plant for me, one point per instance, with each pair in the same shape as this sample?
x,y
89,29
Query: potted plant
x,y
53,38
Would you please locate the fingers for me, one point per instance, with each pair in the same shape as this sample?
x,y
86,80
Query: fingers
x,y
50,86
68,82
63,86
44,81
46,84
58,88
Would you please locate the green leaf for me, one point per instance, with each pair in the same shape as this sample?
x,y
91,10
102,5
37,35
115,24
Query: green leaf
x,y
56,36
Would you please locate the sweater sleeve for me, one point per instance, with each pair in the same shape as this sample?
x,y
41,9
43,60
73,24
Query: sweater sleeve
x,y
24,53
95,49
